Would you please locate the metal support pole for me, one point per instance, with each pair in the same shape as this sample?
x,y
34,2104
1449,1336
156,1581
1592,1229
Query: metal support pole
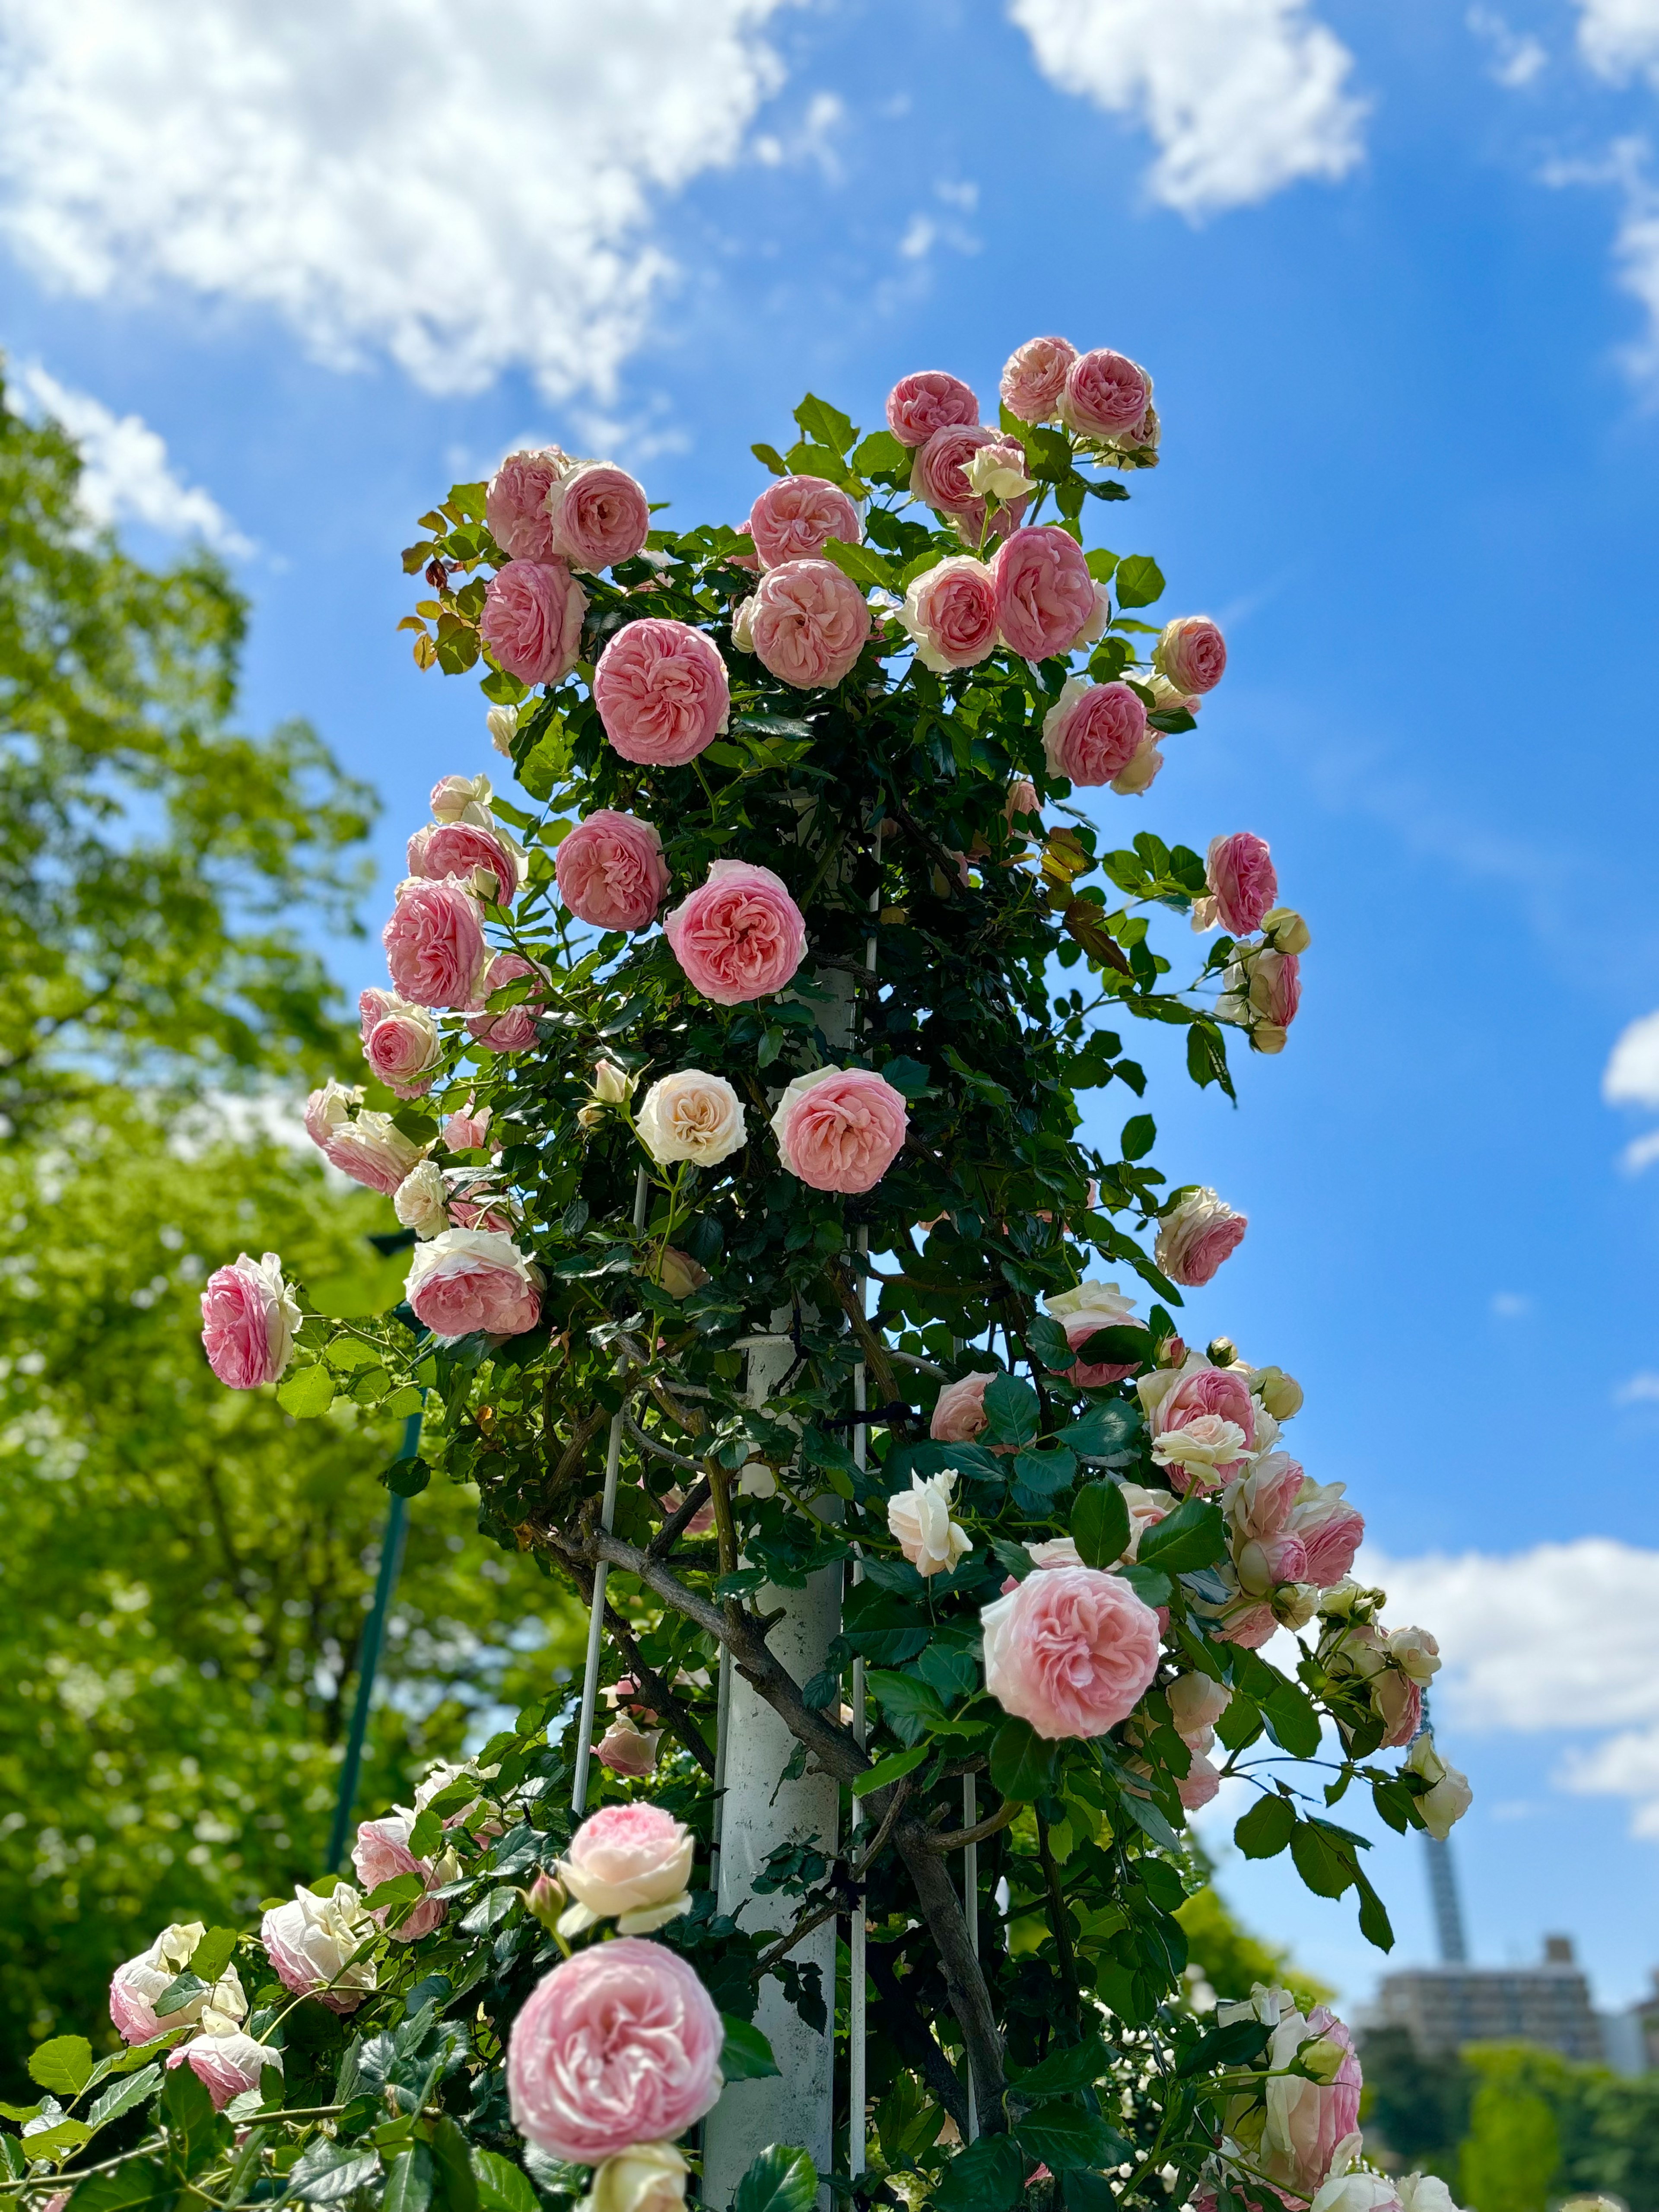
x,y
857,2085
596,1611
369,1657
970,1913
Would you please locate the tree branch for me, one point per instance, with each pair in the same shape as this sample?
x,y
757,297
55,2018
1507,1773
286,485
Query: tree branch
x,y
960,1838
915,2041
970,1997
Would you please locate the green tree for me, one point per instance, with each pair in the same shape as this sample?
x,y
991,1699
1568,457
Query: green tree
x,y
154,857
1418,2105
184,1577
1222,1953
1511,2155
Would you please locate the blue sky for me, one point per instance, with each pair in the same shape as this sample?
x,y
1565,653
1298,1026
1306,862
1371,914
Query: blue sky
x,y
1396,274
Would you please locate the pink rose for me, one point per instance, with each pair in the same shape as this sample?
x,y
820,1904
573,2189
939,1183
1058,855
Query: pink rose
x,y
1265,1565
1033,378
1244,884
1092,731
950,611
1142,771
1022,803
400,1042
1105,394
628,1751
456,848
314,1943
468,1280
1196,1236
611,871
597,515
1045,595
661,690
226,2065
1223,1392
1399,1702
137,1983
1083,1312
515,506
381,1852
928,401
1071,1650
629,1863
619,2046
794,520
1276,986
435,944
514,1029
466,1132
1331,1539
370,1148
1309,2123
936,477
532,620
739,935
1192,652
960,1414
248,1319
1198,1783
808,623
840,1128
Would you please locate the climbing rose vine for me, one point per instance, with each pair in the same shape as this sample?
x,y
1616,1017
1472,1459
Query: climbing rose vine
x,y
763,1012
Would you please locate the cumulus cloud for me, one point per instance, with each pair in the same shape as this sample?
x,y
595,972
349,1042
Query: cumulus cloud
x,y
1561,1637
465,193
1618,37
126,477
1631,1075
1241,97
1516,57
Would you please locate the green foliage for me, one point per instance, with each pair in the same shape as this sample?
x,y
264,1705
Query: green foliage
x,y
155,858
1513,2147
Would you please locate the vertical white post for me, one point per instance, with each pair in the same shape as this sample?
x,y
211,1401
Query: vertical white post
x,y
596,1611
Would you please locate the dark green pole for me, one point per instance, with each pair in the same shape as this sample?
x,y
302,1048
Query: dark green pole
x,y
391,1558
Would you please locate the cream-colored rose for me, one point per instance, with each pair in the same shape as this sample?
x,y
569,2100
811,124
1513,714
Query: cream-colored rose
x,y
1449,1796
1356,2192
1088,1300
419,1200
1280,1393
462,799
1295,1604
1196,1704
612,1085
649,2178
1146,1509
1142,771
1416,1653
1285,931
629,1863
690,1116
1207,1442
743,627
1422,2192
993,473
502,724
919,1518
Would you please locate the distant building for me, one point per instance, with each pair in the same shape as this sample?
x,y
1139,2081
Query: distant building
x,y
1443,2007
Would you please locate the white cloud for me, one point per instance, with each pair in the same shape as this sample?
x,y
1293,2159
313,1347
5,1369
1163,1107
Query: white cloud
x,y
1642,1389
1518,57
1242,97
465,191
127,478
1631,1075
1617,37
1511,1305
1641,1152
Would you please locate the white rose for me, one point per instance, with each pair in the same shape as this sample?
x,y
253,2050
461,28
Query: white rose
x,y
650,2177
690,1116
1142,769
1295,1604
419,1200
1207,1442
991,474
1287,931
1102,1303
502,724
743,633
1196,1704
1098,624
921,1519
310,1940
628,1863
1424,2193
1416,1653
1146,1509
1449,1796
1280,1393
1357,2193
452,796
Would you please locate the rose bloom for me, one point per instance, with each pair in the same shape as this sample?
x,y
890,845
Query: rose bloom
x,y
919,1518
690,1116
225,2065
1192,652
1368,2192
1080,1313
959,1413
473,1279
400,1042
1106,394
467,1131
1142,771
597,515
461,799
998,471
515,505
248,1319
840,1128
936,473
1033,378
370,1148
1276,988
808,624
1244,884
1173,1398
927,401
652,2178
381,1852
612,871
950,611
1071,1651
1196,1236
1092,731
1449,1796
420,1201
1196,1704
435,944
1046,598
629,1863
626,1751
617,2046
739,935
460,849
794,520
1311,2126
532,620
309,1942
1199,1784
137,1983
514,1028
502,724
661,690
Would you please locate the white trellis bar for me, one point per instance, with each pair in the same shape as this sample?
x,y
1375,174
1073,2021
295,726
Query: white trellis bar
x,y
970,1912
